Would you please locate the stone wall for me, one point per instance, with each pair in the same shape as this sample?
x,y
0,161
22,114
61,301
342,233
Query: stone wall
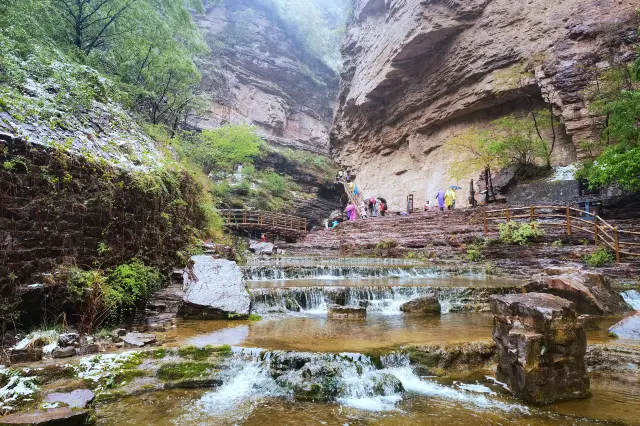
x,y
419,72
58,208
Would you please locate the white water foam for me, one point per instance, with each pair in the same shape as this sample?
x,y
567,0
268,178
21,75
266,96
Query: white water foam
x,y
632,297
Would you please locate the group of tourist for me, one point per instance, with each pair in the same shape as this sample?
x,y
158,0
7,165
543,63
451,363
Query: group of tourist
x,y
446,199
372,207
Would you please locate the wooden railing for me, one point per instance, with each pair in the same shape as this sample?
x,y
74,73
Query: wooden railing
x,y
620,241
255,219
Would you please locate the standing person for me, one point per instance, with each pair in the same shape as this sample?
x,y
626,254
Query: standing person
x,y
363,211
453,194
372,207
263,238
448,198
440,198
351,212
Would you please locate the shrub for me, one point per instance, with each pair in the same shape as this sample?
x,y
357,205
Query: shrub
x,y
522,234
112,294
600,257
386,244
474,255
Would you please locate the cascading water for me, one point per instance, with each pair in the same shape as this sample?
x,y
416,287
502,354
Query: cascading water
x,y
632,297
350,379
380,299
335,272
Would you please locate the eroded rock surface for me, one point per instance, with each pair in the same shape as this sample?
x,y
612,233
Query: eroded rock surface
x,y
214,289
257,74
78,398
424,305
591,292
541,347
55,416
418,72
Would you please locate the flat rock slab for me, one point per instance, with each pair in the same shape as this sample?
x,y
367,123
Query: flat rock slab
x,y
628,328
347,312
63,416
534,305
215,289
79,398
138,340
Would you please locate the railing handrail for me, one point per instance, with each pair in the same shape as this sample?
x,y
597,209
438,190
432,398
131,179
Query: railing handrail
x,y
599,226
264,218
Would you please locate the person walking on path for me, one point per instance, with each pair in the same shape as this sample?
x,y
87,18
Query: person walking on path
x,y
448,198
440,198
351,212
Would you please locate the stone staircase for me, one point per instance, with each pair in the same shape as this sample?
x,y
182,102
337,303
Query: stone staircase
x,y
419,230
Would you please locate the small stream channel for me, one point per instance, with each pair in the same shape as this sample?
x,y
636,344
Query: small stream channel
x,y
358,363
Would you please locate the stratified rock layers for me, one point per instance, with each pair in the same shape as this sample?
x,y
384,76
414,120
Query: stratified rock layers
x,y
541,347
418,72
258,74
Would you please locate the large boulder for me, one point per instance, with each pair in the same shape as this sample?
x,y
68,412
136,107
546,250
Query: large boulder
x,y
591,292
214,289
541,347
428,305
262,248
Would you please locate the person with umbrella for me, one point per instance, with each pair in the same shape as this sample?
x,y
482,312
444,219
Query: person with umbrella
x,y
351,212
453,188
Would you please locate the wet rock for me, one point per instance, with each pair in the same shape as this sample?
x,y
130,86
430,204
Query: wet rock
x,y
65,352
17,356
591,292
78,398
262,248
454,357
215,289
55,416
628,328
541,347
347,312
138,340
424,305
68,339
613,358
92,348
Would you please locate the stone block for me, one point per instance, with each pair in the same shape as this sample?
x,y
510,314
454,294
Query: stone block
x,y
347,312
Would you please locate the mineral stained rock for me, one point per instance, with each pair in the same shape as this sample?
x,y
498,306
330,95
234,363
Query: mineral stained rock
x,y
541,347
347,312
591,292
424,305
419,72
214,289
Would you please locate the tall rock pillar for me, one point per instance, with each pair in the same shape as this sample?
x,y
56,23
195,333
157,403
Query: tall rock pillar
x,y
541,347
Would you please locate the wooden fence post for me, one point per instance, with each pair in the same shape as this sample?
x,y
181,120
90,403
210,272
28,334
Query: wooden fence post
x,y
568,221
484,216
595,230
532,217
617,243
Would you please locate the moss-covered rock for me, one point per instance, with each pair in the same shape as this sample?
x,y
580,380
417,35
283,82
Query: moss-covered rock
x,y
186,370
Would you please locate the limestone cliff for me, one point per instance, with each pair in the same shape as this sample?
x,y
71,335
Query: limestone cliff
x,y
259,74
419,71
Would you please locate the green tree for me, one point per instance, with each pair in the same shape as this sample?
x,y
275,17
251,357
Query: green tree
x,y
222,149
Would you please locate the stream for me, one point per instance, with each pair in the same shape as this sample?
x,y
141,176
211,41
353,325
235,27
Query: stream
x,y
263,382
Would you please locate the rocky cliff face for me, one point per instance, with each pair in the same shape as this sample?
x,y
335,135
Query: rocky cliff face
x,y
258,74
418,72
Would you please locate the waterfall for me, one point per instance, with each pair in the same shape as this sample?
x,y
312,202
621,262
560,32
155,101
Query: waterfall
x,y
334,272
632,297
350,379
379,299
